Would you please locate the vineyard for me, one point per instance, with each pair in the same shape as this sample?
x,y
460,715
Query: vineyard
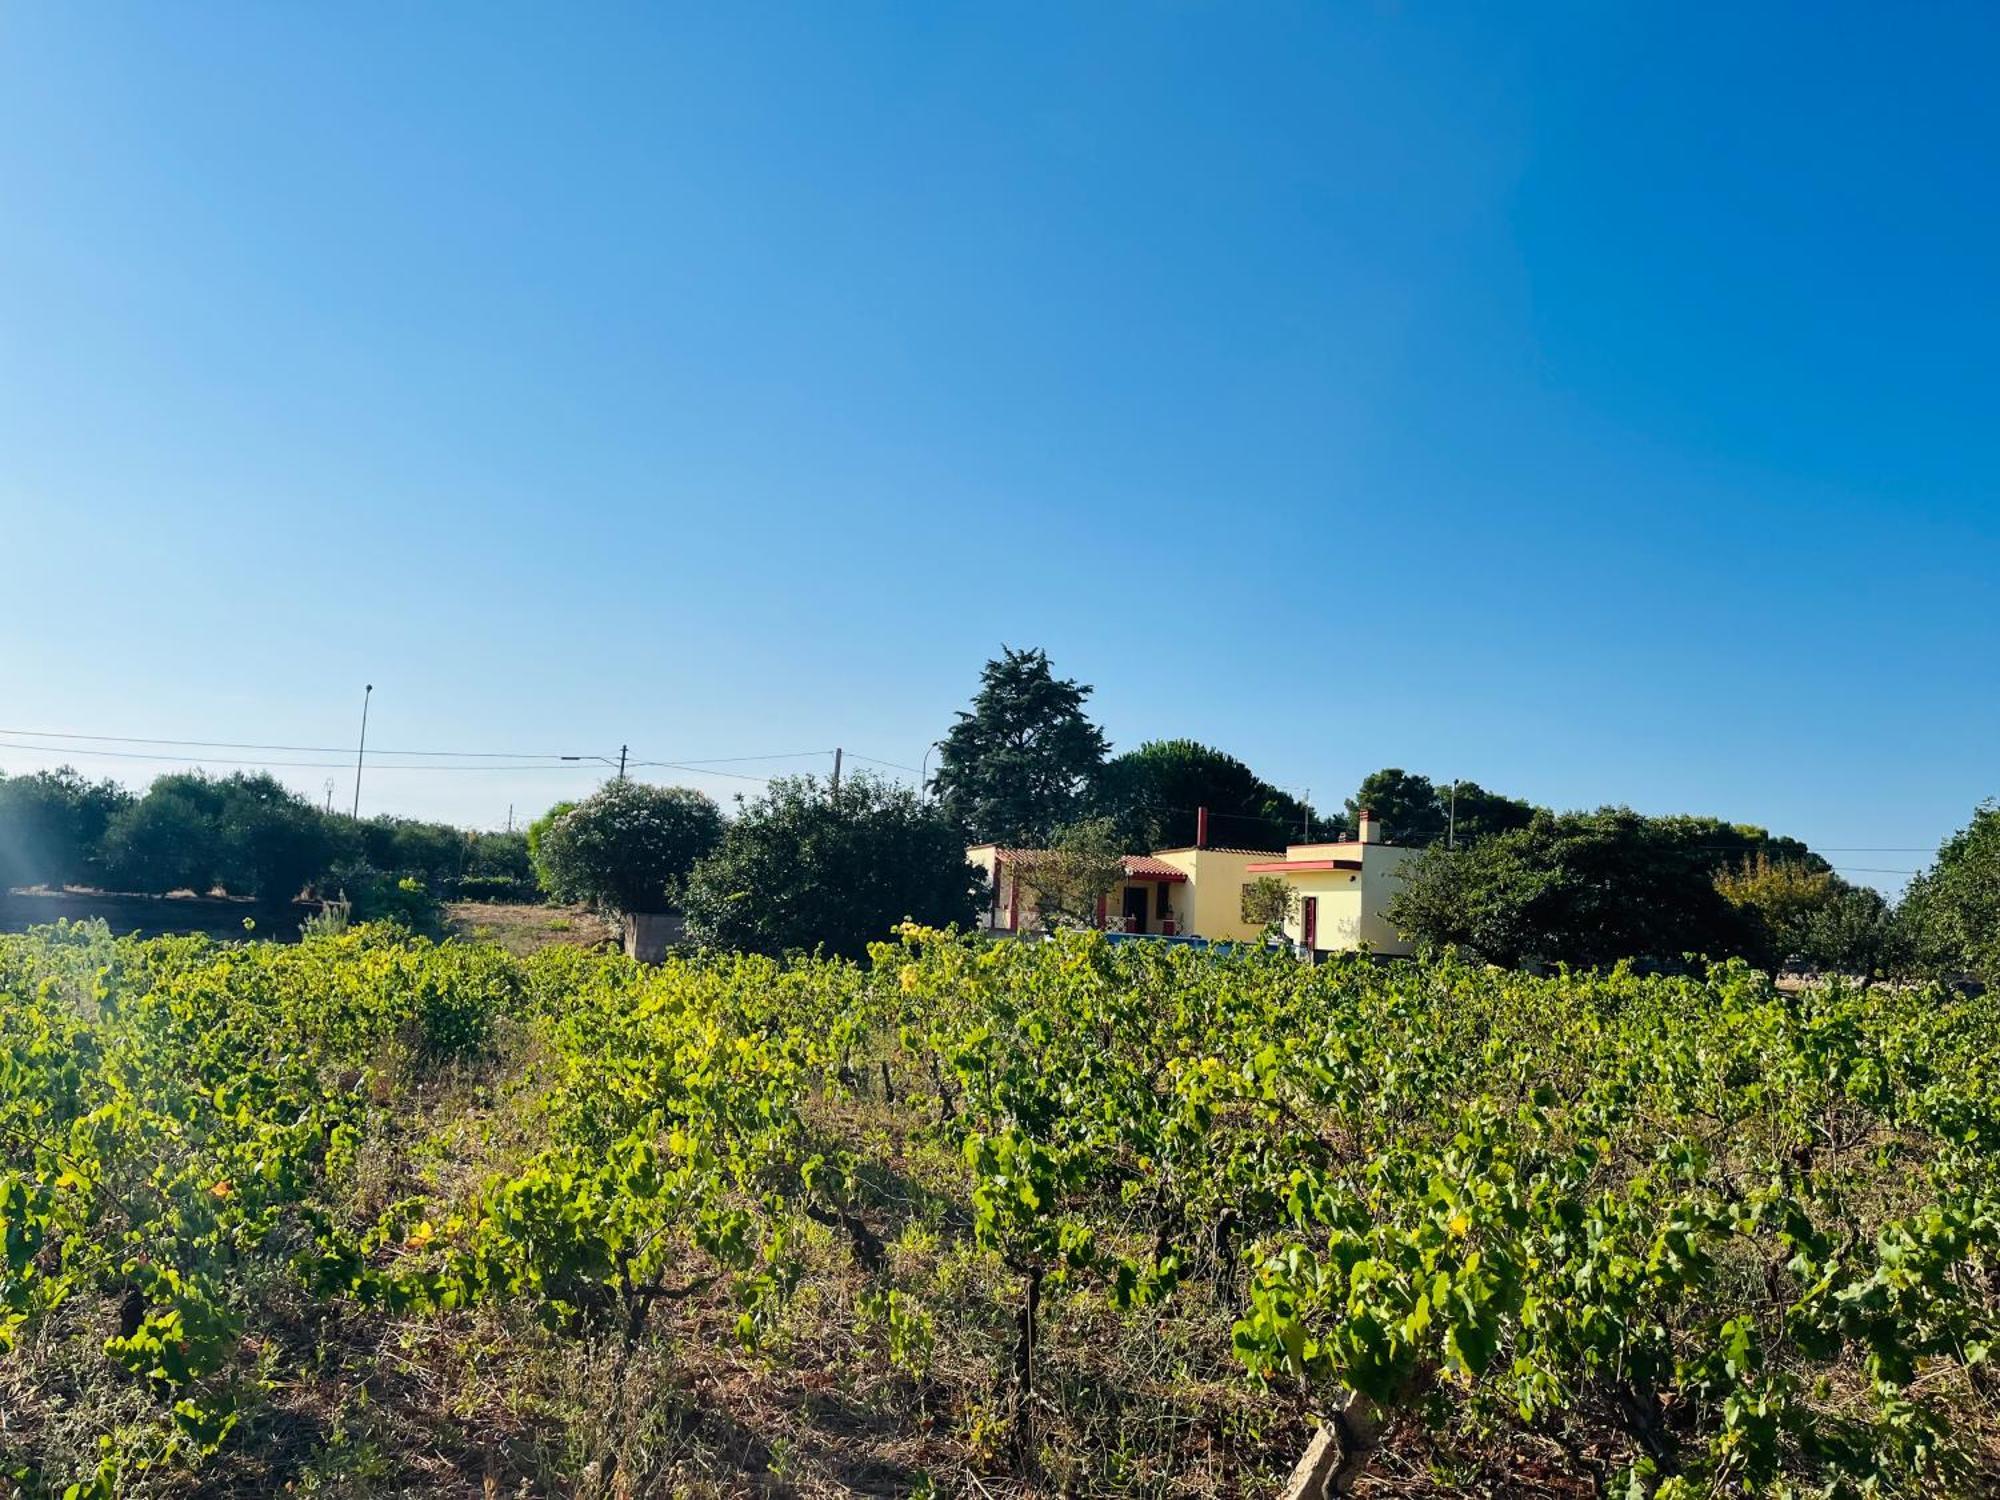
x,y
366,1215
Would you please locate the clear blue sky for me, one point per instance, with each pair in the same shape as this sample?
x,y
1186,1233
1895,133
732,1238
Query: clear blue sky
x,y
1594,401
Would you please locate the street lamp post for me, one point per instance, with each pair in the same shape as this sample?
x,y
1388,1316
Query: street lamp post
x,y
924,766
361,749
623,751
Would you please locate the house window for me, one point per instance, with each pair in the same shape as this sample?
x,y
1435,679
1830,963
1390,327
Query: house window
x,y
1162,907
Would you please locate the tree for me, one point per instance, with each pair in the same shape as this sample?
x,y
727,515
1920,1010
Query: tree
x,y
1018,764
1953,908
434,853
806,866
270,841
1408,806
504,855
1472,813
629,846
51,826
1270,901
538,830
1857,932
1486,898
1152,795
1070,879
1779,897
498,869
169,840
1807,914
1576,888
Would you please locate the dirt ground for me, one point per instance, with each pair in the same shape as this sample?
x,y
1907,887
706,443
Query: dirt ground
x,y
522,930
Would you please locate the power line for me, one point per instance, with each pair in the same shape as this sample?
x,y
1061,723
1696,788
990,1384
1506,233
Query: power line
x,y
341,751
876,760
67,751
516,759
140,739
698,768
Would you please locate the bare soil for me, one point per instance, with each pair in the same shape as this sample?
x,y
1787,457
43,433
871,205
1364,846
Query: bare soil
x,y
523,929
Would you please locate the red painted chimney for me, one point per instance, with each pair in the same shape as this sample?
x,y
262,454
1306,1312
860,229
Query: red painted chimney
x,y
1201,828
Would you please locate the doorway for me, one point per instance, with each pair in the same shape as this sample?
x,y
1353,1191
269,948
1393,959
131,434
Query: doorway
x,y
1135,908
1309,922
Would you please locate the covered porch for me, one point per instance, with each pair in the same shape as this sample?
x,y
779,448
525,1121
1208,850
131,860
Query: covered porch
x,y
1143,900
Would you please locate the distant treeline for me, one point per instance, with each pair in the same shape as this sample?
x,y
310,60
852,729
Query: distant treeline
x,y
246,834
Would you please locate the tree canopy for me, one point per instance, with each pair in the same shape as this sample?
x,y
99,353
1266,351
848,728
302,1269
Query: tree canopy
x,y
1068,880
51,826
629,846
807,866
271,842
1415,810
168,840
1954,906
1406,805
1151,795
1803,913
1577,888
1022,760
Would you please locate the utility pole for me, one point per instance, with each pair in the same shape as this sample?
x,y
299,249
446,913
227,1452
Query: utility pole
x,y
836,771
510,817
1306,813
361,749
1451,818
622,751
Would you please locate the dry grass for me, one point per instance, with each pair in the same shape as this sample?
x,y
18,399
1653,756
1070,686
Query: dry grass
x,y
522,929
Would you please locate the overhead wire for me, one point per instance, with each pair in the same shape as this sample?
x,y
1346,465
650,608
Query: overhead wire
x,y
502,760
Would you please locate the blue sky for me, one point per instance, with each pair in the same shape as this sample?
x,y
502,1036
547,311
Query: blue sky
x,y
1593,401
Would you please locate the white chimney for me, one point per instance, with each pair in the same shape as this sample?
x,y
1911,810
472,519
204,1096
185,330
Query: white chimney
x,y
1366,828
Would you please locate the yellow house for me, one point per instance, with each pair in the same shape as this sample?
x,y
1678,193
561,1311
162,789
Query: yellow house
x,y
1344,890
1191,892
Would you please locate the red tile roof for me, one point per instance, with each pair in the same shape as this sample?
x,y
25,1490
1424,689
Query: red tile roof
x,y
1137,866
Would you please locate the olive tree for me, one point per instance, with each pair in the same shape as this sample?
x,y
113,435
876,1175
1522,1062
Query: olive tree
x,y
1072,878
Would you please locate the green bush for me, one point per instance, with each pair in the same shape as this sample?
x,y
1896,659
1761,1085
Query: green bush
x,y
373,896
497,889
271,841
51,826
629,846
166,841
807,867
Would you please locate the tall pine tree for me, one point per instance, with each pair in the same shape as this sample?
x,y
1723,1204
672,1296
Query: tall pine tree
x,y
1021,762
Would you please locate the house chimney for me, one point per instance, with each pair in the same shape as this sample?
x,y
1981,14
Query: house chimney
x,y
1201,828
1366,828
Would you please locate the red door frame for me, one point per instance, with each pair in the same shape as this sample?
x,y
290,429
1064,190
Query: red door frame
x,y
1309,921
